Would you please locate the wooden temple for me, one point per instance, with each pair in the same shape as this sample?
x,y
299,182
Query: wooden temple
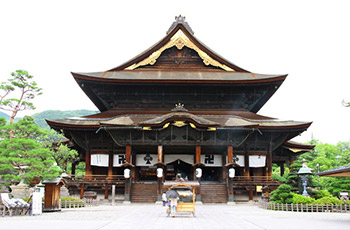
x,y
179,106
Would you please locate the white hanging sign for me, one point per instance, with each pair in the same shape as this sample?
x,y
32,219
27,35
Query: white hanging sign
x,y
174,157
118,159
211,160
37,203
257,161
100,160
146,159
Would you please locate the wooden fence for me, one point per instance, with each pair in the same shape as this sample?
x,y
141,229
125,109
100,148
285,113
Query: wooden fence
x,y
304,207
78,203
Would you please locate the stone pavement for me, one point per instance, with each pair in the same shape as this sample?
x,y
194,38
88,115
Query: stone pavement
x,y
153,216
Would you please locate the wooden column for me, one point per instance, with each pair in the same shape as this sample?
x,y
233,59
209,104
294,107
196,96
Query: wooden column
x,y
128,153
87,164
106,191
134,174
269,161
251,193
81,191
160,180
127,181
246,164
229,184
160,153
198,154
73,169
282,168
229,154
110,166
223,168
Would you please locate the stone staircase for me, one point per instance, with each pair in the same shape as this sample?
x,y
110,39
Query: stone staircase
x,y
143,193
213,193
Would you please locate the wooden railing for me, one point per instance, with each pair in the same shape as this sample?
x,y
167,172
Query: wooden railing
x,y
254,180
95,179
304,207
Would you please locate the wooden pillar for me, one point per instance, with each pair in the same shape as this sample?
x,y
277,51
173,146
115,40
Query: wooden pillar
x,y
73,169
81,191
198,154
127,181
251,193
269,161
160,153
229,154
128,153
246,164
127,190
134,174
223,168
106,191
160,179
282,168
87,164
110,166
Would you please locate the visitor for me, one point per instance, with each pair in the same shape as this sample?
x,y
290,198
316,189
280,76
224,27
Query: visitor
x,y
173,204
164,199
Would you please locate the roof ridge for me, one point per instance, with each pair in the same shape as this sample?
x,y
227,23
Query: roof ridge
x,y
180,20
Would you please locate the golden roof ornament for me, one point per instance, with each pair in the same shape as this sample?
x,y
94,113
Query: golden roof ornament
x,y
179,108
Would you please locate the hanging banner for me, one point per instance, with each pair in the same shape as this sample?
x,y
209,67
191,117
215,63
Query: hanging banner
x,y
257,161
100,160
174,157
240,160
211,160
146,159
118,159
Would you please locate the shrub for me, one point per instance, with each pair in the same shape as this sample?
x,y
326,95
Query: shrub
x,y
328,200
318,194
282,194
279,178
300,199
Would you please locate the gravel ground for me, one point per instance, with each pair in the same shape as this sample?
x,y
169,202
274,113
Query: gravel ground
x,y
153,216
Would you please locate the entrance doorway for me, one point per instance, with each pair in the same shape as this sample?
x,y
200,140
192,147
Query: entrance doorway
x,y
181,167
211,174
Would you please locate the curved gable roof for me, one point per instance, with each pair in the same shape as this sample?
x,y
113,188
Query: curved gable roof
x,y
181,29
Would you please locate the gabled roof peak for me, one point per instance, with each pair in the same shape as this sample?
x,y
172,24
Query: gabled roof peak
x,y
180,20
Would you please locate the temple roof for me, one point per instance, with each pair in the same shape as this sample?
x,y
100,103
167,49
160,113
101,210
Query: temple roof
x,y
343,171
178,76
180,35
297,148
154,120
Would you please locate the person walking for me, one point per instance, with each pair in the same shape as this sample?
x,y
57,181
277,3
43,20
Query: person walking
x,y
173,204
164,198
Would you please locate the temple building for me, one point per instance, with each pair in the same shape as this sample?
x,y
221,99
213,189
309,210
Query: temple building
x,y
175,108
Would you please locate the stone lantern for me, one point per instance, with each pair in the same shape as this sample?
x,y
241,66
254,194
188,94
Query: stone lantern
x,y
304,171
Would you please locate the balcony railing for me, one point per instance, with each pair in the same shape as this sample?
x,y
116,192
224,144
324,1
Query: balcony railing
x,y
254,180
88,179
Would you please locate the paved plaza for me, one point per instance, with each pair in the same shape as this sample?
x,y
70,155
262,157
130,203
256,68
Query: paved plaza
x,y
153,216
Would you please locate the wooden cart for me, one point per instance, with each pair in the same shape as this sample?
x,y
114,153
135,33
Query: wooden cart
x,y
187,196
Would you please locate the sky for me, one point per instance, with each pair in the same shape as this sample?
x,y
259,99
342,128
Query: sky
x,y
308,40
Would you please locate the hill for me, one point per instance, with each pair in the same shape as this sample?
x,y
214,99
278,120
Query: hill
x,y
39,118
6,116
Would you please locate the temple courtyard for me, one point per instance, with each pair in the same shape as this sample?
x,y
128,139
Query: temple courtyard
x,y
153,216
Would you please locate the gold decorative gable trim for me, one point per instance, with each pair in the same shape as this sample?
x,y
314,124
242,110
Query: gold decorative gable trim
x,y
179,40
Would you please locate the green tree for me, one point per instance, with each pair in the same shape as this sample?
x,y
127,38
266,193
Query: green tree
x,y
22,157
61,153
21,82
